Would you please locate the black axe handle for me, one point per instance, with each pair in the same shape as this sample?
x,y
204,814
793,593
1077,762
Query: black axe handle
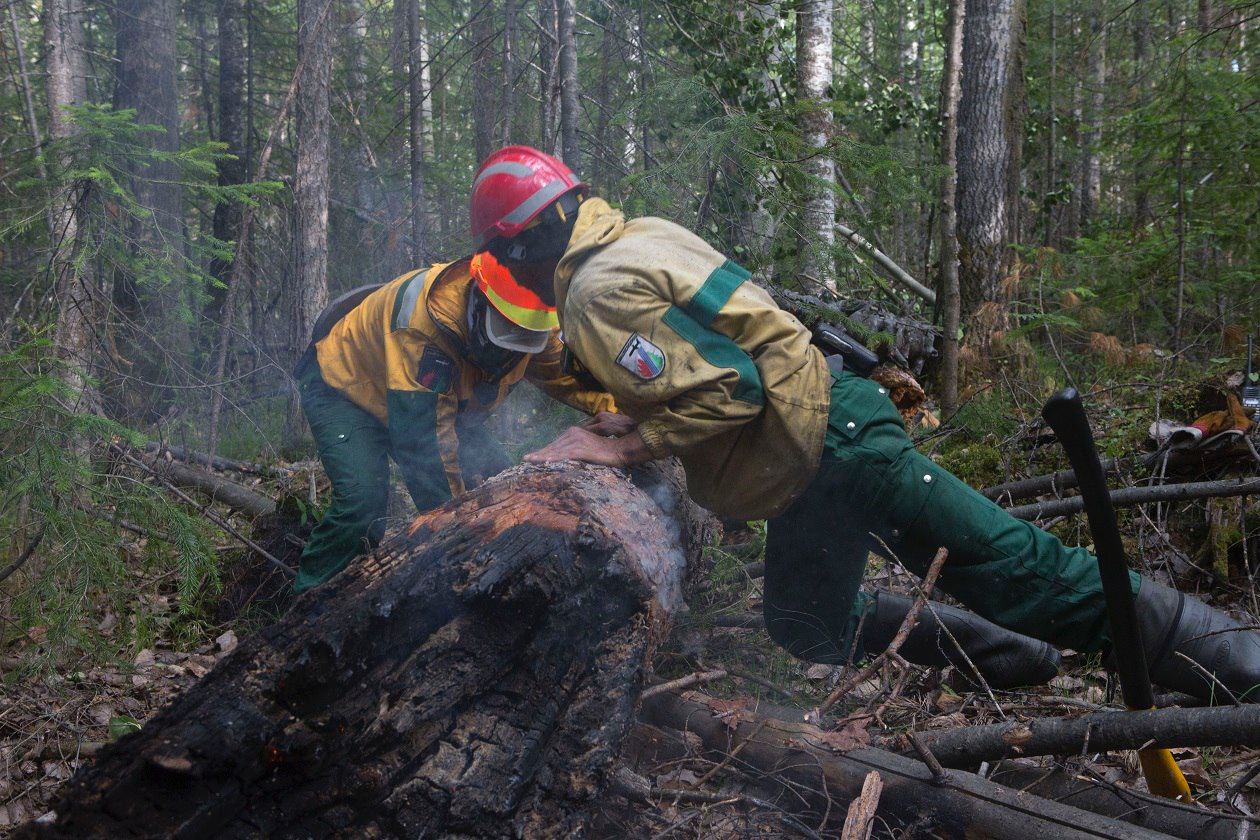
x,y
1066,416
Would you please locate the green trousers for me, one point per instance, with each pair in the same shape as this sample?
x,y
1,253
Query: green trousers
x,y
874,492
354,449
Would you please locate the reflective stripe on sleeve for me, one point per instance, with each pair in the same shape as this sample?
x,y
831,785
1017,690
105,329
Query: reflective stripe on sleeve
x,y
716,291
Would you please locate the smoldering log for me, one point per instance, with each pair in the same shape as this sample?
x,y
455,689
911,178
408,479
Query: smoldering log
x,y
1099,732
474,676
799,757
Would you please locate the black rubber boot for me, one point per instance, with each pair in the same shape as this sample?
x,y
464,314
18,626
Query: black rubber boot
x,y
1004,658
1172,622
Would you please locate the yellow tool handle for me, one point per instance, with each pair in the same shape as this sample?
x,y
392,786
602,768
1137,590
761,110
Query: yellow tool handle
x,y
1163,776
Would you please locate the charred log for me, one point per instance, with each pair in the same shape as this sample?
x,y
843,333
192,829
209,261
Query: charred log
x,y
476,675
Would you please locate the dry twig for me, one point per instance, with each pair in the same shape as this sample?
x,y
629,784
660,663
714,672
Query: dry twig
x,y
903,632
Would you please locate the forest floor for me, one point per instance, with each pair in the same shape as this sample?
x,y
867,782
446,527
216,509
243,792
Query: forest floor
x,y
55,716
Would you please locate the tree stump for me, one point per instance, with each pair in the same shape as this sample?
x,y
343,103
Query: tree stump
x,y
474,676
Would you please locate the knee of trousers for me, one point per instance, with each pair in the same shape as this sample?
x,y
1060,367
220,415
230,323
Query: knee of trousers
x,y
359,503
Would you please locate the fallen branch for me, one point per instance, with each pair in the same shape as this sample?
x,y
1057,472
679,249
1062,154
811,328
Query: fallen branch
x,y
206,510
1056,482
218,462
903,632
219,489
798,757
698,678
1131,496
895,271
26,554
1072,787
1098,732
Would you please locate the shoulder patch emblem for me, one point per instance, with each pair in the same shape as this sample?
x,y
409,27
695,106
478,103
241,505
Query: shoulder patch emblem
x,y
641,357
436,370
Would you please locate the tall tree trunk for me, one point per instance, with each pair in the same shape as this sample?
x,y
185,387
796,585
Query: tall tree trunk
x,y
813,86
951,303
1052,136
232,101
485,102
866,32
397,197
569,85
77,304
1143,36
1090,176
548,62
146,81
417,96
508,108
989,134
362,160
308,292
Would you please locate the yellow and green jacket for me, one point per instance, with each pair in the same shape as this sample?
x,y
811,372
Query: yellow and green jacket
x,y
403,355
713,371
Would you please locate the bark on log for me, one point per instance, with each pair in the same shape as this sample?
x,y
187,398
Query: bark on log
x,y
1131,496
474,676
1099,732
797,756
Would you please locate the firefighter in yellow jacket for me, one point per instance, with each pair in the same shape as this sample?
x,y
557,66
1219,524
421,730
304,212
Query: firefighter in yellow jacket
x,y
408,370
705,367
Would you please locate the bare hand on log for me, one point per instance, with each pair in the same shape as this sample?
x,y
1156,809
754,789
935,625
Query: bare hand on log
x,y
608,424
579,444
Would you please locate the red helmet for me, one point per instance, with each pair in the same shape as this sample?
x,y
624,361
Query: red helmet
x,y
512,187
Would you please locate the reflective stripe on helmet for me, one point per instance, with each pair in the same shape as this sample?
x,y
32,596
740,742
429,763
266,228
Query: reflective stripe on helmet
x,y
507,167
524,211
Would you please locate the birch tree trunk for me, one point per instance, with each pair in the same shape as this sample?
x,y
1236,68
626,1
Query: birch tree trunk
x,y
417,96
989,135
813,81
951,303
569,85
308,288
76,301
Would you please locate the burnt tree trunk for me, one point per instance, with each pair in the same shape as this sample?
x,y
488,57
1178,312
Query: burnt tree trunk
x,y
476,675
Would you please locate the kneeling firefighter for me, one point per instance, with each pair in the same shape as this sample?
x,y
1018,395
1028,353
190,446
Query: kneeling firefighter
x,y
409,370
769,425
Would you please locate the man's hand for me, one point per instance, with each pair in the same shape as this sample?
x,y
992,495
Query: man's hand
x,y
610,425
579,444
